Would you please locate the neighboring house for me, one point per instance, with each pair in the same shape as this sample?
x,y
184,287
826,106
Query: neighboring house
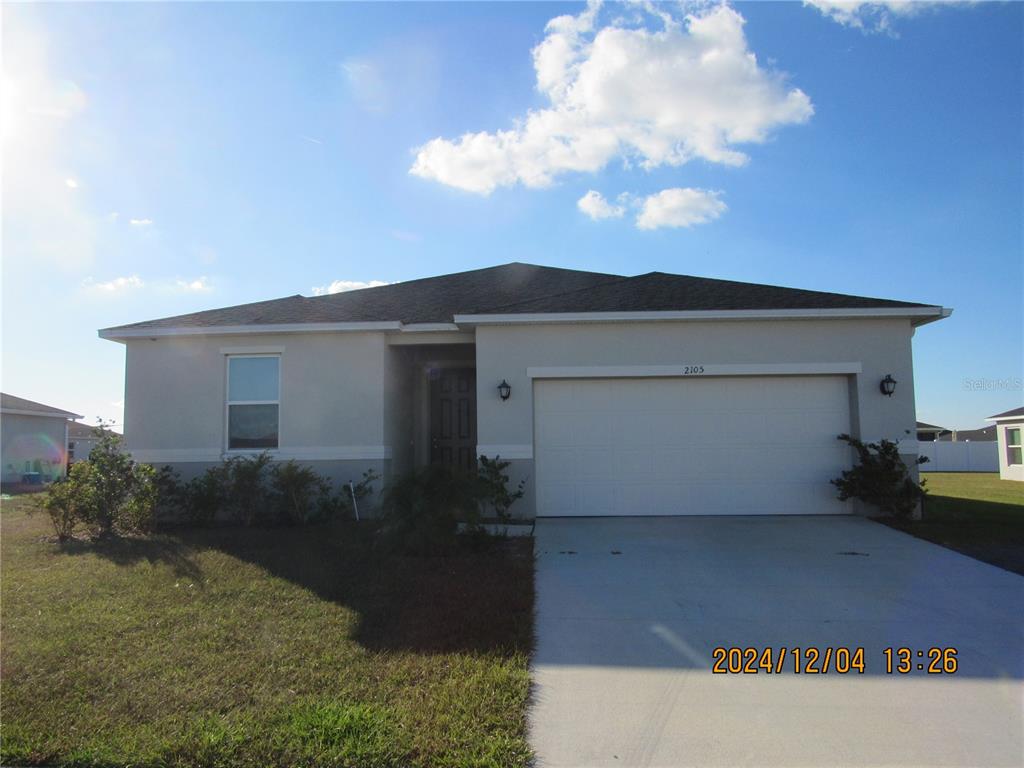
x,y
1009,430
651,395
33,442
982,435
82,438
928,432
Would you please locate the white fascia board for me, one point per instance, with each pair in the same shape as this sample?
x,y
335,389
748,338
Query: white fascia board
x,y
924,314
234,330
1010,419
428,327
45,414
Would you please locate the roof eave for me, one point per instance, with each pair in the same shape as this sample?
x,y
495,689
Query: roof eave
x,y
917,315
45,414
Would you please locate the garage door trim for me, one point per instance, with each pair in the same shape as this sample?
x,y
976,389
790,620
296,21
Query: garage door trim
x,y
703,369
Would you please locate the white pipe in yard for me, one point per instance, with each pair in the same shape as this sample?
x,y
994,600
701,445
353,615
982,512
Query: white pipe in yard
x,y
355,505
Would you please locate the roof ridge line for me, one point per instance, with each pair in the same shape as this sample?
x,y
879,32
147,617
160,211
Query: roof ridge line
x,y
615,279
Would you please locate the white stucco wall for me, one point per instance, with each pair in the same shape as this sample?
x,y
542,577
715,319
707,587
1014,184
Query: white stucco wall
x,y
1008,471
32,439
880,346
331,411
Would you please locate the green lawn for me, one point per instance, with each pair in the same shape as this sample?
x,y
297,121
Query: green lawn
x,y
293,647
974,513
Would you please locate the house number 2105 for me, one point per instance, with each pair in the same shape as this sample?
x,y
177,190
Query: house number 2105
x,y
691,369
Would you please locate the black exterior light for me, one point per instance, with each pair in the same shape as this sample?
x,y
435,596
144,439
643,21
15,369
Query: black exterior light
x,y
504,390
887,385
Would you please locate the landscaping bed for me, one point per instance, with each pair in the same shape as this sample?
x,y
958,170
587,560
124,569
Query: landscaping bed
x,y
252,646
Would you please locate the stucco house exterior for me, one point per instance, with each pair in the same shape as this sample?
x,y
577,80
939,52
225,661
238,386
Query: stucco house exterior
x,y
33,440
1009,432
656,394
82,438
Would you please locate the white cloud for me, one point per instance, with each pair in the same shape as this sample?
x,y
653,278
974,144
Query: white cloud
x,y
199,285
689,88
340,286
596,207
874,16
71,183
679,207
140,222
117,285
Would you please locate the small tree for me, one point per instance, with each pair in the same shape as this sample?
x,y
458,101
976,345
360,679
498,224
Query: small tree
x,y
121,494
493,484
67,500
109,492
881,478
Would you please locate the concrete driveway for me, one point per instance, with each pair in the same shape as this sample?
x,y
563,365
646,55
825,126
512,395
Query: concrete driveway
x,y
629,611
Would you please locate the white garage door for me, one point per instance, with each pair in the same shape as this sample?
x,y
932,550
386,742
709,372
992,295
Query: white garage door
x,y
688,446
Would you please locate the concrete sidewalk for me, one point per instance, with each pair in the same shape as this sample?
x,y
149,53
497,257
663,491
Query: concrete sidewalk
x,y
625,641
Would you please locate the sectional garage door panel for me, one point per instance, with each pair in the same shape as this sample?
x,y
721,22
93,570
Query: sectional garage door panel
x,y
688,446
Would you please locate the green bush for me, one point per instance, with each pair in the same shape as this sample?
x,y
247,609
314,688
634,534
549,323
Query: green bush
x,y
421,510
67,500
247,480
342,503
492,482
881,478
204,496
301,494
108,493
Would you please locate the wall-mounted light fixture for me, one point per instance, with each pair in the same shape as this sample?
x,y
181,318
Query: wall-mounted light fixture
x,y
504,390
887,385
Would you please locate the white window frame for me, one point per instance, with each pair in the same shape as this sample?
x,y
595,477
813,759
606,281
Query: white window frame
x,y
1019,445
228,402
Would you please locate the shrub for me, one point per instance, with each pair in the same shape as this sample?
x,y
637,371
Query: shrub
x,y
107,493
421,511
493,486
204,496
246,482
120,491
171,496
362,489
301,494
67,500
881,478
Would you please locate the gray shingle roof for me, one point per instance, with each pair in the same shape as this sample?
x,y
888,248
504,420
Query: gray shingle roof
x,y
1011,412
517,288
13,403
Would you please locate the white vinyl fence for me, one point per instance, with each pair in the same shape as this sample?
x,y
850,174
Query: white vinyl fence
x,y
972,456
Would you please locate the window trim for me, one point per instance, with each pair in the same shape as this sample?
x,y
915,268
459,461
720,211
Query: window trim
x,y
228,402
1019,445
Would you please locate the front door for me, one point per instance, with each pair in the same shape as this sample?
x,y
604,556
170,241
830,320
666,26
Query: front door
x,y
453,417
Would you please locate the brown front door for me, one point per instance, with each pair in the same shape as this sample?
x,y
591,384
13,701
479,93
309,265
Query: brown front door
x,y
453,417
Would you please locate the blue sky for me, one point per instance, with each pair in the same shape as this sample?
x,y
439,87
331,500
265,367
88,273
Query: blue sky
x,y
165,158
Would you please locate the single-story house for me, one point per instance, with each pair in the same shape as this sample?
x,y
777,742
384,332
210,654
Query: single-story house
x,y
33,442
929,432
82,438
657,394
980,435
1009,429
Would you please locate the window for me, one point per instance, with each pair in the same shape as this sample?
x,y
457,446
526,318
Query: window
x,y
71,450
253,401
1013,445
